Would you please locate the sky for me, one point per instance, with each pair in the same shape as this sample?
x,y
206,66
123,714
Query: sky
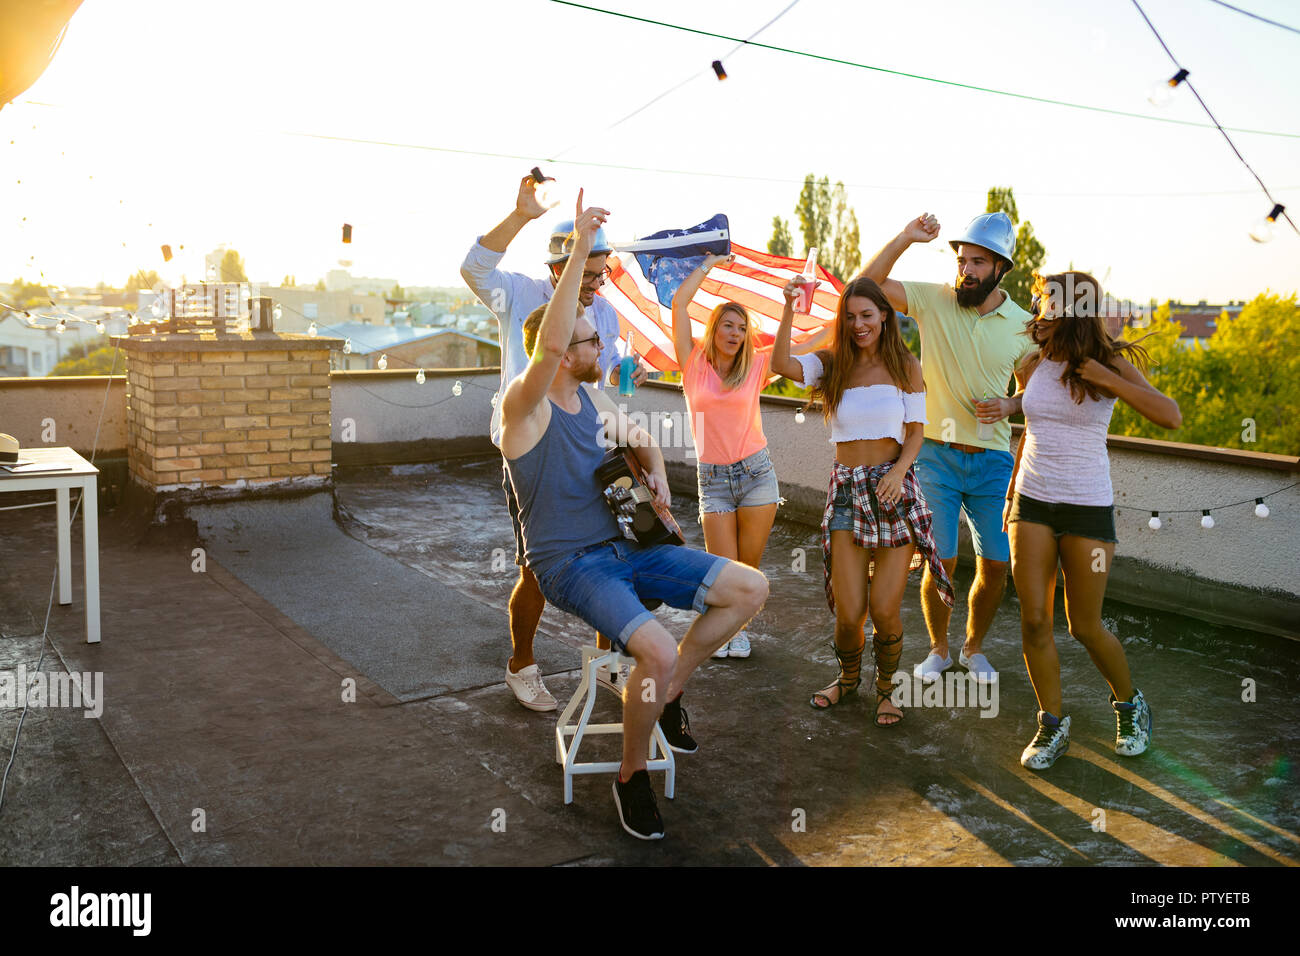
x,y
196,124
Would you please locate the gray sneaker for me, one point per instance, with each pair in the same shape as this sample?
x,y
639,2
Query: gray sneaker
x,y
1052,740
1132,725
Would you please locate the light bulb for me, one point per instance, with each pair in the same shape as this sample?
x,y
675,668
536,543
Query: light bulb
x,y
1261,509
495,396
311,330
668,423
62,326
347,346
799,417
1262,230
1206,521
1155,523
419,377
383,361
457,389
157,307
277,313
1162,92
99,326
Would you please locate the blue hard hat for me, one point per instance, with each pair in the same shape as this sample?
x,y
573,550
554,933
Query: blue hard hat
x,y
561,243
994,232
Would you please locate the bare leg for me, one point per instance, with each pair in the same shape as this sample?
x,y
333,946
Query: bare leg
x,y
937,614
885,605
985,596
526,606
655,653
720,534
734,597
753,525
1033,563
849,585
1086,564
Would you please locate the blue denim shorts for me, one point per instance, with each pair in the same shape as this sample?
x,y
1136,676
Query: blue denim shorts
x,y
1095,522
842,512
958,483
606,584
749,483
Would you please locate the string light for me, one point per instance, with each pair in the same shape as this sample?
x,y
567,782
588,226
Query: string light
x,y
1262,231
799,417
383,361
347,346
1206,521
1155,523
1162,92
457,389
311,330
419,377
1261,509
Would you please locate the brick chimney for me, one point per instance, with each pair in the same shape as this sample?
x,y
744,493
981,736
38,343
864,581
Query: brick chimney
x,y
233,410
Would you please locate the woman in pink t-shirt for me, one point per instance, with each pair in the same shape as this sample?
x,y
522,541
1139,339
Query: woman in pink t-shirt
x,y
722,377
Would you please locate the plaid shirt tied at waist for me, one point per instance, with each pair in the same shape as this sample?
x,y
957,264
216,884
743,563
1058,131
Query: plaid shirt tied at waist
x,y
880,525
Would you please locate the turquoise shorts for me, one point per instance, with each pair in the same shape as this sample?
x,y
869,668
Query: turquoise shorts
x,y
958,483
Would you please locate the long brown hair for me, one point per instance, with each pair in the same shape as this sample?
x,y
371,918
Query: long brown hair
x,y
1079,332
844,351
744,358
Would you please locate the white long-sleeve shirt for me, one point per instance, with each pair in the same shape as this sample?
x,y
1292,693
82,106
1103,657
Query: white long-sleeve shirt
x,y
512,297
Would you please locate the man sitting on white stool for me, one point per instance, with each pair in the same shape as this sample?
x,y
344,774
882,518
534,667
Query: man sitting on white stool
x,y
554,433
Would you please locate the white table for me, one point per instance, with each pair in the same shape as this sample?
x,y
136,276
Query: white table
x,y
77,473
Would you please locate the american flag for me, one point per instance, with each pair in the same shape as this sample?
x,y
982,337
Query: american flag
x,y
755,280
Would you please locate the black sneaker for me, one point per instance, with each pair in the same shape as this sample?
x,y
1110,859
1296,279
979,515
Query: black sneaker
x,y
677,727
637,810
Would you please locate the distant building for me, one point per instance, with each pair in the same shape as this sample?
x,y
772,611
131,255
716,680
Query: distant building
x,y
300,306
340,280
1202,320
410,347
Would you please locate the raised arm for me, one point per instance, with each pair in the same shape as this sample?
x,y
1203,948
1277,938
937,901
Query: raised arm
x,y
683,343
526,393
527,208
1130,385
782,362
923,228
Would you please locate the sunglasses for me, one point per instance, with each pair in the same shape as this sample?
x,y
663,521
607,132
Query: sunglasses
x,y
592,338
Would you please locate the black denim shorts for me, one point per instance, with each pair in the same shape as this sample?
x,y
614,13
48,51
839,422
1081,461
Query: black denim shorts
x,y
1095,522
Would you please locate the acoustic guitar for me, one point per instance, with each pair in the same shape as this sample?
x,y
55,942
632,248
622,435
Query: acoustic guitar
x,y
639,516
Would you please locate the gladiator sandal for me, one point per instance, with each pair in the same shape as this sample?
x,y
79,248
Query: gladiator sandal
x,y
849,678
886,651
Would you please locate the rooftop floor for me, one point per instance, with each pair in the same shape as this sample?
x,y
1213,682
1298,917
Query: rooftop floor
x,y
224,738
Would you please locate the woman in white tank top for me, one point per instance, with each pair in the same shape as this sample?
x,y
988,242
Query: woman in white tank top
x,y
1060,508
876,525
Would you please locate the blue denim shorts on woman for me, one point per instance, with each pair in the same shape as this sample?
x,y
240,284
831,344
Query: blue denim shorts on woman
x,y
606,584
749,483
1095,522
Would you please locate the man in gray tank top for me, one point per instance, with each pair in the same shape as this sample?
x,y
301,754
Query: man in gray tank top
x,y
554,431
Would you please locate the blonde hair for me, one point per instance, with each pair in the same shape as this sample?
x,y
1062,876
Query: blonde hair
x,y
744,358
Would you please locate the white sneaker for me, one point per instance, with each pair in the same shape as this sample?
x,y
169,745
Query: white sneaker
x,y
932,667
1132,725
618,681
722,651
978,666
1052,740
529,689
739,645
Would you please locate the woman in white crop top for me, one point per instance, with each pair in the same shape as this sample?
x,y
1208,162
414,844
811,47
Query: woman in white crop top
x,y
1060,508
876,526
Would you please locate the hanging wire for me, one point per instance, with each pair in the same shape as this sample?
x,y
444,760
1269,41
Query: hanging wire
x,y
919,76
1217,124
1256,16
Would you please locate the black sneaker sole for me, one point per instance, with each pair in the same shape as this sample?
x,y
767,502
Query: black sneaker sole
x,y
640,836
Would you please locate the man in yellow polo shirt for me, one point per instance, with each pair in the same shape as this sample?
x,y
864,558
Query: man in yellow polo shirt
x,y
972,336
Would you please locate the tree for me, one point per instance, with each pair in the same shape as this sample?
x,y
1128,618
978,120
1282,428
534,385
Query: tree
x,y
232,267
1030,253
397,294
105,360
827,222
320,285
1237,389
781,243
142,281
26,295
289,282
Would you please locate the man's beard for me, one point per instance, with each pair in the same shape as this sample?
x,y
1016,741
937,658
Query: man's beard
x,y
971,298
589,374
